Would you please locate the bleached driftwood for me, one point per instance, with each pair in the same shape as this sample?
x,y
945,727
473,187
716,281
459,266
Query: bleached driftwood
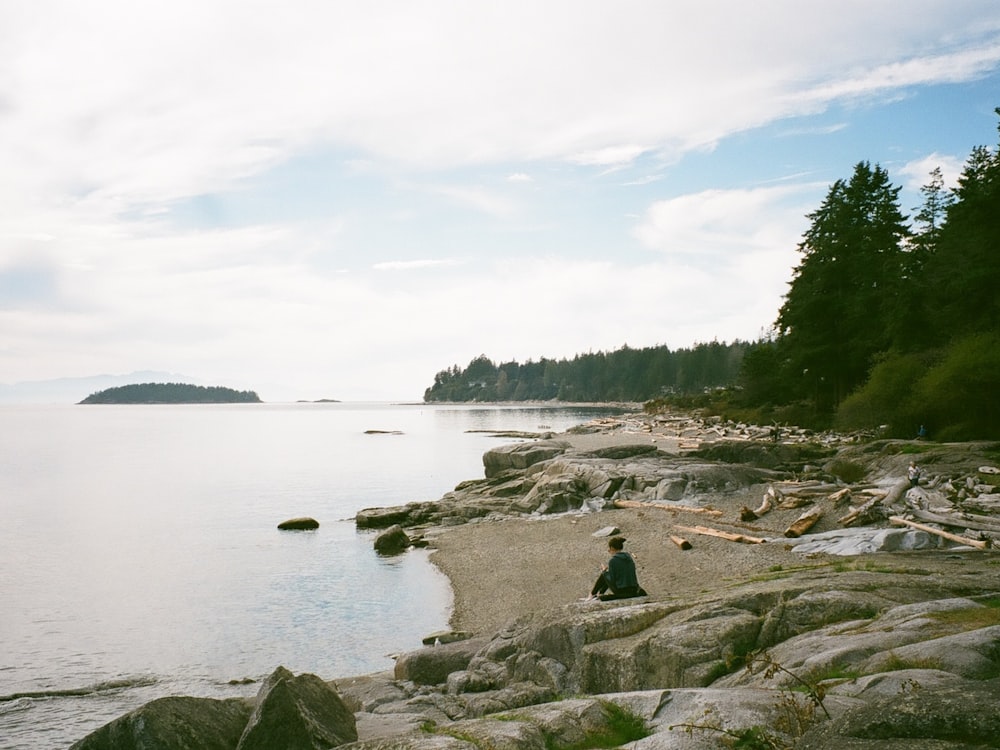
x,y
804,522
732,537
840,496
868,511
767,502
896,492
957,521
900,521
680,541
665,506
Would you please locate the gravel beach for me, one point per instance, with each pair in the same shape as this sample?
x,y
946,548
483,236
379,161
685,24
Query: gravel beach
x,y
502,569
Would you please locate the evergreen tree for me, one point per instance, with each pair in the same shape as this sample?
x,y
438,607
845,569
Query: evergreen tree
x,y
843,292
963,272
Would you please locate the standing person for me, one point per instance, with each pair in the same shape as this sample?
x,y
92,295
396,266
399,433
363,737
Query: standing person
x,y
617,579
913,474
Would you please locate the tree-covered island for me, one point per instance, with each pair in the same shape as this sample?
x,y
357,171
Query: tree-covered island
x,y
171,393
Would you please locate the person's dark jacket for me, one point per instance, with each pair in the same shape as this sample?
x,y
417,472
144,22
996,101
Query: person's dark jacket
x,y
620,574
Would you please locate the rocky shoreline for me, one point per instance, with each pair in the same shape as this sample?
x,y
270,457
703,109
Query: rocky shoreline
x,y
888,633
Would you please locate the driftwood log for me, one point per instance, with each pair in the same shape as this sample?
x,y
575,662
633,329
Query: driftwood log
x,y
958,521
664,506
977,543
867,512
766,503
804,522
680,541
732,537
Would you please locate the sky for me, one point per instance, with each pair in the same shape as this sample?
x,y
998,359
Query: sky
x,y
328,199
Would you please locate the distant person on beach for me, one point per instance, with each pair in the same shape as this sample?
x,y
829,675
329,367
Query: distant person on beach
x,y
617,579
913,474
921,433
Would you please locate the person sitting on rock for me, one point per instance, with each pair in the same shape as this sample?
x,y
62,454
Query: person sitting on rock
x,y
617,579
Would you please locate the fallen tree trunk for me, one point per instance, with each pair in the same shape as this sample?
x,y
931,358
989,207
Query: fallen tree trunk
x,y
864,513
896,491
706,531
900,521
957,521
680,541
664,506
804,522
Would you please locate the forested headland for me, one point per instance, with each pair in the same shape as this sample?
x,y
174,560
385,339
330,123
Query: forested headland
x,y
890,323
171,393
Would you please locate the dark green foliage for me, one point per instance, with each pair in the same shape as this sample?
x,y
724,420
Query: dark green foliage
x,y
623,375
888,398
171,393
837,312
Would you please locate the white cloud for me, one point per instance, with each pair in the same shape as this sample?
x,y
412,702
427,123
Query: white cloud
x,y
715,224
408,265
918,171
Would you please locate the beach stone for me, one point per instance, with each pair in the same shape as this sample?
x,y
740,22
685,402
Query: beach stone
x,y
392,541
298,713
433,664
606,531
174,723
299,524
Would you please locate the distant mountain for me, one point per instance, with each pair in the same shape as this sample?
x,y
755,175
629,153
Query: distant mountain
x,y
72,390
171,393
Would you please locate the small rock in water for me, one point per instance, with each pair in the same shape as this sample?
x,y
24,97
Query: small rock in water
x,y
299,524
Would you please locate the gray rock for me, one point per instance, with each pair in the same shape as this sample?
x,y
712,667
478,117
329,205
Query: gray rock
x,y
962,715
299,524
392,541
520,455
175,723
432,665
297,713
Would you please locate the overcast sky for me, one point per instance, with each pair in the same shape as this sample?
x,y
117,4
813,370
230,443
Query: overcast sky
x,y
325,199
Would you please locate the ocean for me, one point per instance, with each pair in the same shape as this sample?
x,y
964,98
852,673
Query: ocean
x,y
140,556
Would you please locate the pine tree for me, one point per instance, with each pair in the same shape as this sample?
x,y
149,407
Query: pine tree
x,y
843,293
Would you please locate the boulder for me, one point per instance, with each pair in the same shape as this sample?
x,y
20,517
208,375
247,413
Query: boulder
x,y
175,723
392,541
521,455
433,664
299,524
298,713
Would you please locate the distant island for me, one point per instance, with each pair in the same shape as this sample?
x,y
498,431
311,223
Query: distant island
x,y
171,393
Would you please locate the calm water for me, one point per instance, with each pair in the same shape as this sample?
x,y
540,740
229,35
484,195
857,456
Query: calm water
x,y
139,555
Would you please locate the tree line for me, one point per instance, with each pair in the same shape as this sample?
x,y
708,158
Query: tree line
x,y
889,323
626,374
